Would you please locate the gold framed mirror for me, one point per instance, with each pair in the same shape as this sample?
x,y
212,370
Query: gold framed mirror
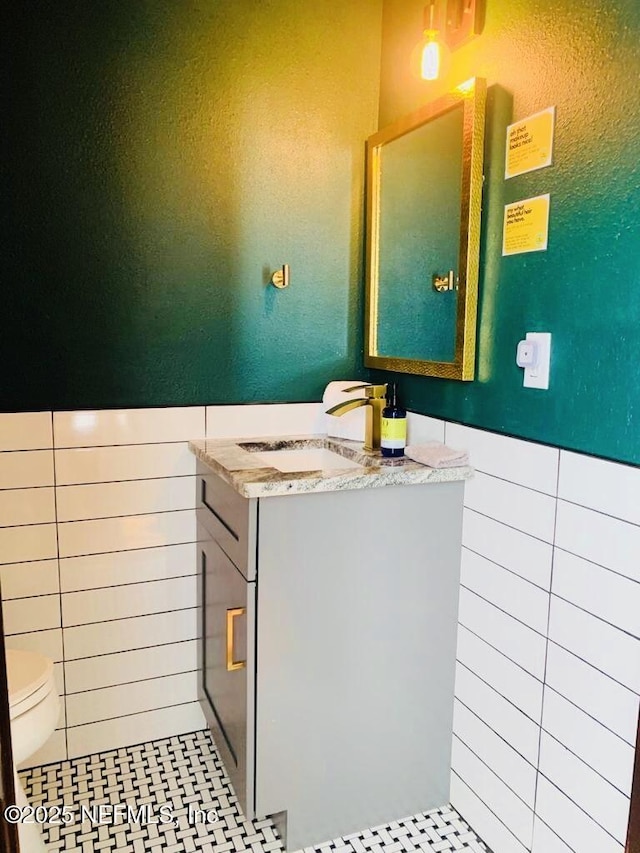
x,y
424,194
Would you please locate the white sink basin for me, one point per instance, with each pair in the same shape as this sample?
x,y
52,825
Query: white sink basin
x,y
305,459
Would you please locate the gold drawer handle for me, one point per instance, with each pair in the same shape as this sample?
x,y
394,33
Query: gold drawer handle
x,y
231,663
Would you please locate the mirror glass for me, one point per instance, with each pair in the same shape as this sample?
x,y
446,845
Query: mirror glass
x,y
424,192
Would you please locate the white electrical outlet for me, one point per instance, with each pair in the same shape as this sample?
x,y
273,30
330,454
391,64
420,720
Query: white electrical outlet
x,y
534,354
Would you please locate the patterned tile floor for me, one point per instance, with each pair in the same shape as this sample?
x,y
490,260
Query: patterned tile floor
x,y
180,801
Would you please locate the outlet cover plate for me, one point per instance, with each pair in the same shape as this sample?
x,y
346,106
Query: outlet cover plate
x,y
538,376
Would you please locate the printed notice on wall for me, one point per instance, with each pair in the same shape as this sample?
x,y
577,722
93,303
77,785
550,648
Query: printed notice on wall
x,y
530,143
526,226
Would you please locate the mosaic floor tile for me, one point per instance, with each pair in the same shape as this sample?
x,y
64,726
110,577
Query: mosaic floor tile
x,y
173,796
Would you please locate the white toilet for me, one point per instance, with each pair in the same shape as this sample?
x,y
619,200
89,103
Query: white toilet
x,y
33,710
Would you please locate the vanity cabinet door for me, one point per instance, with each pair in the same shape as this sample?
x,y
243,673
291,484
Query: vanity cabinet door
x,y
228,665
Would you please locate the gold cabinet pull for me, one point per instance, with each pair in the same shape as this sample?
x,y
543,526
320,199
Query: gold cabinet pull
x,y
231,663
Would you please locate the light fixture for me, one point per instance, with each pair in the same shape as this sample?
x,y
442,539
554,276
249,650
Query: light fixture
x,y
430,62
451,23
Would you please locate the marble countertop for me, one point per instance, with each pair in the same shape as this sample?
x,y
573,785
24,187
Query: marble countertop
x,y
238,462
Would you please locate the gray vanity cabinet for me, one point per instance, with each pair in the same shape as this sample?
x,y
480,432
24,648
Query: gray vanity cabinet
x,y
351,614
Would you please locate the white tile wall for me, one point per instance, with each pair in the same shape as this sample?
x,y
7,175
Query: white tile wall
x,y
26,468
22,615
131,666
506,590
603,646
132,497
514,505
504,676
25,431
496,794
532,465
495,833
421,428
148,564
111,702
610,597
137,633
129,462
518,774
28,547
520,553
598,695
20,580
135,728
607,487
97,563
548,678
520,644
79,538
280,419
28,543
607,806
599,748
48,643
27,506
545,840
570,823
515,727
128,426
141,599
608,541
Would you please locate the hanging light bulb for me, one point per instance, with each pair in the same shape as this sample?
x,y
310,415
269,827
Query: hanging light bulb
x,y
430,63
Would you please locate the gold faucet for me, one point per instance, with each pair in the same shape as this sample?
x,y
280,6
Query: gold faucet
x,y
375,400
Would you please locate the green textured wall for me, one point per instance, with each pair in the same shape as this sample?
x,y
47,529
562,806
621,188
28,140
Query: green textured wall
x,y
168,156
584,58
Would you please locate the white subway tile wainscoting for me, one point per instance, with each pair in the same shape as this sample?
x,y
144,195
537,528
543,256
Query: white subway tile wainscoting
x,y
97,563
548,647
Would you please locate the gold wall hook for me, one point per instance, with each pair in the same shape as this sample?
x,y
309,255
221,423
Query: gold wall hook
x,y
442,283
281,277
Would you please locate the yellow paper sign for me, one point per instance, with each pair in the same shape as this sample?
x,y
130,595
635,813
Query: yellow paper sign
x,y
526,226
530,143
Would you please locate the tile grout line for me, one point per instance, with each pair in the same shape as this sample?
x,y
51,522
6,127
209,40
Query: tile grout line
x,y
512,616
492,771
497,734
600,775
607,569
506,524
595,616
590,716
505,568
500,652
55,507
500,821
546,649
634,524
494,690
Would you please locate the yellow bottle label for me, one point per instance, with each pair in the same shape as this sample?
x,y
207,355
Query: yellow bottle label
x,y
393,432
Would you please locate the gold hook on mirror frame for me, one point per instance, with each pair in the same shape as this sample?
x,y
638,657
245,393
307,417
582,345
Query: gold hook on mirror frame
x,y
281,277
443,283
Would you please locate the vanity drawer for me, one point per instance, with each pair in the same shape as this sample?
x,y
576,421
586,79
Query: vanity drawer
x,y
229,518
